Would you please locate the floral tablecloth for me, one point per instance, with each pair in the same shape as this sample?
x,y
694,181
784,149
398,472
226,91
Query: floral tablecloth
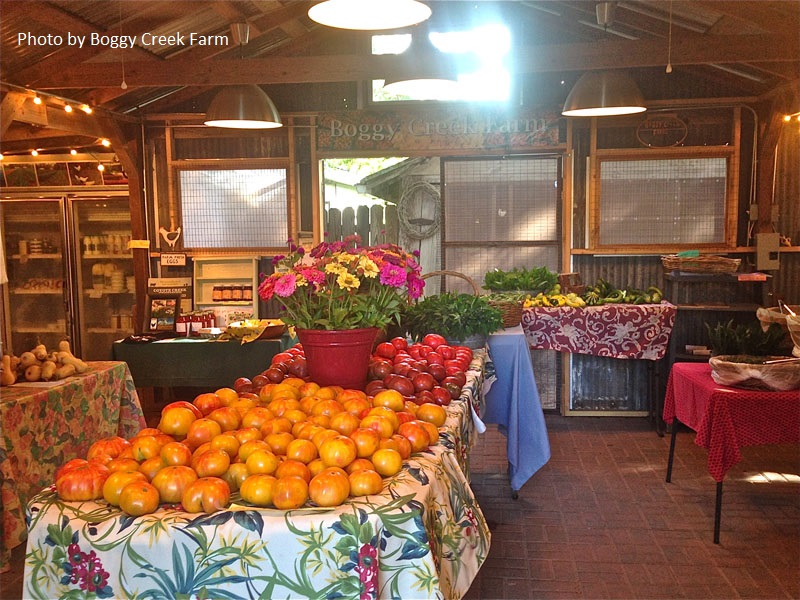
x,y
424,536
43,427
628,331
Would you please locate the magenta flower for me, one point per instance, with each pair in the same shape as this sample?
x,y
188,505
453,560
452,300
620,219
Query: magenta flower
x,y
393,275
367,569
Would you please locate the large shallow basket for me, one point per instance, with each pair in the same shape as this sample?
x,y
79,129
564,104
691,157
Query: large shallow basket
x,y
738,371
706,263
469,280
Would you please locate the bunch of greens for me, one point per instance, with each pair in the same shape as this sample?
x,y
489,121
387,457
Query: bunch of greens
x,y
750,339
535,280
455,316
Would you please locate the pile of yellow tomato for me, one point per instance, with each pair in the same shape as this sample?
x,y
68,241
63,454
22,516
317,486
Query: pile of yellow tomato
x,y
290,443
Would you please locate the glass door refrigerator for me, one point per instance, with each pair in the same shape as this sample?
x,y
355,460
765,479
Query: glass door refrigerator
x,y
70,273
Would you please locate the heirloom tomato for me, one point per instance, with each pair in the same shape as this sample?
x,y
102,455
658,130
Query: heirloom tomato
x,y
290,492
184,404
207,402
110,446
385,350
211,463
365,483
175,421
146,446
175,453
228,418
387,461
293,468
118,480
80,481
172,481
331,487
338,451
201,431
432,413
207,495
235,475
258,489
399,342
139,498
434,340
416,434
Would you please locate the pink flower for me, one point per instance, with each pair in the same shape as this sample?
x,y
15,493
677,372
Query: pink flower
x,y
393,275
367,569
286,285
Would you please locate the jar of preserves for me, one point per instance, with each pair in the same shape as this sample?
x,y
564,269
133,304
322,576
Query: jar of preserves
x,y
216,295
227,293
180,326
247,292
236,292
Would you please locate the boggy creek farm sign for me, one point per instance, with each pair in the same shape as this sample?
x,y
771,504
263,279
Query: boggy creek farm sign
x,y
438,131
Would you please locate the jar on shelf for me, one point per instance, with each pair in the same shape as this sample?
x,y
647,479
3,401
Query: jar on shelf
x,y
227,293
247,293
180,325
216,294
236,293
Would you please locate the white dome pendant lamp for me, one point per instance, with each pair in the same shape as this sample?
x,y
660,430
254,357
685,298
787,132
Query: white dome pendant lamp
x,y
367,15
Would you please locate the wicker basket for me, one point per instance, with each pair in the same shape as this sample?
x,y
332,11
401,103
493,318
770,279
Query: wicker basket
x,y
469,280
706,263
511,311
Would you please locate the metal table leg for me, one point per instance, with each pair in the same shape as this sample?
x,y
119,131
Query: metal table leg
x,y
675,424
717,512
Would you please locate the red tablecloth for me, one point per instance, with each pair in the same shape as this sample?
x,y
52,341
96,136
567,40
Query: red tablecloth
x,y
726,418
632,331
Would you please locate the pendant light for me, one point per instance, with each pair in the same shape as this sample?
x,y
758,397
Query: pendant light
x,y
242,106
603,93
442,83
369,15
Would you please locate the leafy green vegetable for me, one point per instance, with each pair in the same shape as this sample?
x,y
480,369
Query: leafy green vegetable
x,y
537,279
455,316
750,339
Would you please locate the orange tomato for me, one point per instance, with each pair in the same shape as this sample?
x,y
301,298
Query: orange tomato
x,y
122,464
389,399
387,413
235,475
433,431
262,462
338,451
247,448
212,463
316,466
295,468
81,480
139,498
365,482
201,431
327,407
329,488
207,495
175,453
172,481
151,466
301,450
228,418
259,489
399,443
360,464
278,442
208,402
183,403
145,446
118,480
227,442
432,413
245,434
367,441
256,417
176,420
227,395
415,433
387,462
276,425
344,422
379,423
290,492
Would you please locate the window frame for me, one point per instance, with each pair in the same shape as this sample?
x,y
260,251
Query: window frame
x,y
731,201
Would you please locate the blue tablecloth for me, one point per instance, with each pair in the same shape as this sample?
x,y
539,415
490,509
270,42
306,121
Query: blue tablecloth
x,y
512,401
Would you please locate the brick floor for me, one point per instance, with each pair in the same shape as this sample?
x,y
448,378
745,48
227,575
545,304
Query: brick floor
x,y
598,520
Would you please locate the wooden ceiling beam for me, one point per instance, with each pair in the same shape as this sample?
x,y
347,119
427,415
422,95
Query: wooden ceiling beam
x,y
686,50
771,16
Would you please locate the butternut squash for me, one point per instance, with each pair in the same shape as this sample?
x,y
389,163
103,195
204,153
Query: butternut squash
x,y
26,359
64,371
40,352
66,358
33,373
8,376
48,370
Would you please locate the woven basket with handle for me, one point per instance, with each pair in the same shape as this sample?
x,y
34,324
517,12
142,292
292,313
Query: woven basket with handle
x,y
706,263
475,288
510,310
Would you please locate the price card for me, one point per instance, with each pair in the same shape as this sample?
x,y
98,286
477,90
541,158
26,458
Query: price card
x,y
173,259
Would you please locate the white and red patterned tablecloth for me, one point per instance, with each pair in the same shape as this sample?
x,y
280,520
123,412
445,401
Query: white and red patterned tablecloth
x,y
727,418
629,331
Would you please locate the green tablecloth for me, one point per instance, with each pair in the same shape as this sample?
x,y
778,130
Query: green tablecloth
x,y
192,362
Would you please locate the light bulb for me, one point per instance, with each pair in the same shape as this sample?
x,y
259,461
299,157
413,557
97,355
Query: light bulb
x,y
100,167
67,108
105,142
87,109
37,100
34,153
73,151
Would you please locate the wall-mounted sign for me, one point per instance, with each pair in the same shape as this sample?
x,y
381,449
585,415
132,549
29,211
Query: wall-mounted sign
x,y
661,131
173,259
437,130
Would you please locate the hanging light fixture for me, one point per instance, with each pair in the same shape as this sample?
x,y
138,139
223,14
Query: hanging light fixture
x,y
242,106
443,81
369,14
603,93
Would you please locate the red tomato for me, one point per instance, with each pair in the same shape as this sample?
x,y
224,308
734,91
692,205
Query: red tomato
x,y
441,396
207,495
386,350
399,342
172,481
460,378
378,369
446,351
373,387
434,340
438,371
451,385
423,381
400,383
81,481
281,357
139,498
434,358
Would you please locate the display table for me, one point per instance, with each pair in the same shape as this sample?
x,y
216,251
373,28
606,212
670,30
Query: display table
x,y
46,424
196,362
726,419
626,331
512,401
424,536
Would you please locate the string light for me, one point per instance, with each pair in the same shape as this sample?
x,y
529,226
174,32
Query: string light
x,y
34,153
100,167
37,100
73,152
87,109
105,142
67,108
788,118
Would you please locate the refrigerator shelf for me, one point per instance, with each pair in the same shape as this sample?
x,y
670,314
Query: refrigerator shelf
x,y
24,292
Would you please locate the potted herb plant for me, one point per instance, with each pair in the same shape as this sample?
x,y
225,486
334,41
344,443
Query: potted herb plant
x,y
463,319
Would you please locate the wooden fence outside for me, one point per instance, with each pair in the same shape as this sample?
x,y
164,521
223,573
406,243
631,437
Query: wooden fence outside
x,y
375,224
